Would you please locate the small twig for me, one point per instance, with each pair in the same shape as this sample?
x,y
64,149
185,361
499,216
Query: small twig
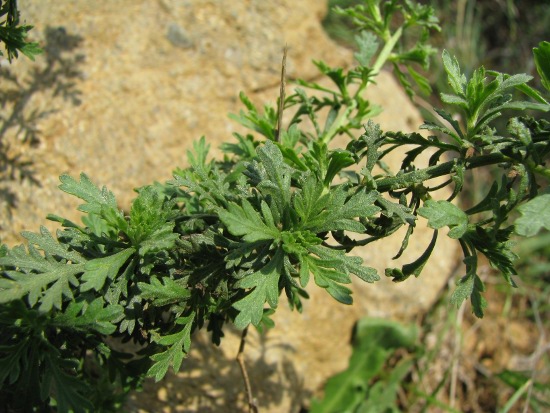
x,y
282,94
456,356
252,407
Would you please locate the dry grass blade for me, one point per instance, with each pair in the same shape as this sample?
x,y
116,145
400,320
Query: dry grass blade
x,y
282,94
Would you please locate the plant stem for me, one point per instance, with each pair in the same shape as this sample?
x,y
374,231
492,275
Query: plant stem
x,y
252,407
386,51
338,123
417,177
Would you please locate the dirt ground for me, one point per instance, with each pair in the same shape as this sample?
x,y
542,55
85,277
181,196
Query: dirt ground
x,y
470,357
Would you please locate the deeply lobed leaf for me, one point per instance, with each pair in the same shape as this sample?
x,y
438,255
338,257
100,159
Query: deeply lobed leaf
x,y
178,346
42,278
441,214
535,216
263,286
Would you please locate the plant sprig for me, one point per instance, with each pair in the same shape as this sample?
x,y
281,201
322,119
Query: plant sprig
x,y
13,35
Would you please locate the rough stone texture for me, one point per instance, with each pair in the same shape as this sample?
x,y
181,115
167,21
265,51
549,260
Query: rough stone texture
x,y
152,77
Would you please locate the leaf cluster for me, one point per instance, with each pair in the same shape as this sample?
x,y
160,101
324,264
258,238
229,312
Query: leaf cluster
x,y
13,35
391,23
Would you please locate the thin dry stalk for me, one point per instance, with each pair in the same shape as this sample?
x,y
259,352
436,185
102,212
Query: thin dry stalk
x,y
252,406
282,96
456,355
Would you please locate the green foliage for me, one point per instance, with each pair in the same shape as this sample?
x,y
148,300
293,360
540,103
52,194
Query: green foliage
x,y
542,62
535,216
354,389
223,240
13,35
522,383
482,101
178,345
443,213
377,20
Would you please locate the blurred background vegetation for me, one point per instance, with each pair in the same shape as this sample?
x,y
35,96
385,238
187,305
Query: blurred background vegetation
x,y
498,34
500,363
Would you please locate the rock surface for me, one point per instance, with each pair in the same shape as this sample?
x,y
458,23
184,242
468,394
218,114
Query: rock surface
x,y
141,81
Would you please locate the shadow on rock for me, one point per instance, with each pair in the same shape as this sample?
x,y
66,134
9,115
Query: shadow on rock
x,y
21,112
210,382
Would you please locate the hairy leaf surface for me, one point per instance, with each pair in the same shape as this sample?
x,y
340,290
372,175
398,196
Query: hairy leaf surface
x,y
444,213
535,216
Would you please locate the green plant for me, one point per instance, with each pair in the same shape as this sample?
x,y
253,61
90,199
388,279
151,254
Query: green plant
x,y
226,237
354,390
13,35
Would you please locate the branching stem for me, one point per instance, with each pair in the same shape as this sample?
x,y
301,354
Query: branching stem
x,y
252,407
416,177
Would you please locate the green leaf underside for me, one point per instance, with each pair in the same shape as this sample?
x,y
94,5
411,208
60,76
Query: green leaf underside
x,y
535,215
43,279
94,197
332,268
443,213
367,45
457,80
470,286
